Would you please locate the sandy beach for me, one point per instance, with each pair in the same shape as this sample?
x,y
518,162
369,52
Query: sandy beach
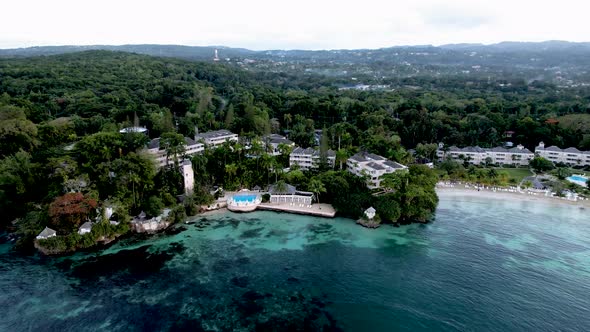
x,y
445,192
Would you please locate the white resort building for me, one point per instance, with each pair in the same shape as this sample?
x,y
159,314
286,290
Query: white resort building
x,y
273,141
517,156
191,148
213,139
373,166
309,158
570,156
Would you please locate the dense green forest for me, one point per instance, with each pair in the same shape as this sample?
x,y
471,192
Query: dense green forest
x,y
60,116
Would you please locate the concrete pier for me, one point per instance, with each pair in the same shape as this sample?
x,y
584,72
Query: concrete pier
x,y
319,210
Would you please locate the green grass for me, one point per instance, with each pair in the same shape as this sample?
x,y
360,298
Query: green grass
x,y
516,173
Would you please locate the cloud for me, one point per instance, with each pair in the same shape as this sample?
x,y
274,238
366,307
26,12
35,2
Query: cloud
x,y
307,24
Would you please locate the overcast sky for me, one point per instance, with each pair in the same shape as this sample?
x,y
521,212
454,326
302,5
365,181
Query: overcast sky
x,y
299,24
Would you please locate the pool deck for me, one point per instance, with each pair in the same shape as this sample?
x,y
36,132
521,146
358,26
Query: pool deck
x,y
319,210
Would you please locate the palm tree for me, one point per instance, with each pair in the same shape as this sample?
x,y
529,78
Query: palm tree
x,y
288,119
231,170
341,156
281,187
174,144
316,186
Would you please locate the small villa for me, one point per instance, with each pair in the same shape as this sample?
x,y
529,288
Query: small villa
x,y
288,194
370,213
46,234
85,228
370,219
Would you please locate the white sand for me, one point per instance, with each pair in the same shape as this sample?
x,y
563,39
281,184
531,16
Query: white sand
x,y
461,191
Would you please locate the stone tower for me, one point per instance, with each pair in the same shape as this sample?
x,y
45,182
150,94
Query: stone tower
x,y
189,176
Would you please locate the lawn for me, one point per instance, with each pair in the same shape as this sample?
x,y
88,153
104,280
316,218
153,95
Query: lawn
x,y
516,173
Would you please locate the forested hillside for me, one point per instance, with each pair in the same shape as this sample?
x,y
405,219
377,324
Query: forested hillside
x,y
60,116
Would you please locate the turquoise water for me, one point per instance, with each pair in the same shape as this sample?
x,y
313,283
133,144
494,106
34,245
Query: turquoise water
x,y
577,178
244,198
482,265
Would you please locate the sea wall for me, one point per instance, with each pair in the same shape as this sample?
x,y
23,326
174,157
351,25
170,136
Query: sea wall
x,y
150,226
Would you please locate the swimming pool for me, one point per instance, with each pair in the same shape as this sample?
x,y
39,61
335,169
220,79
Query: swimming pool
x,y
244,198
577,178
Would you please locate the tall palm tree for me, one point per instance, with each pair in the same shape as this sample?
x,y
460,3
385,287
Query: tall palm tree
x,y
288,119
174,144
341,156
316,186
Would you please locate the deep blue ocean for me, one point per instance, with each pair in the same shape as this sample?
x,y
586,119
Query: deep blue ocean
x,y
481,265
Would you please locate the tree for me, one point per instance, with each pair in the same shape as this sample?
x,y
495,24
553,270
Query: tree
x,y
67,212
388,207
324,147
229,117
414,192
341,157
540,164
153,206
426,150
563,172
316,186
287,118
174,145
16,131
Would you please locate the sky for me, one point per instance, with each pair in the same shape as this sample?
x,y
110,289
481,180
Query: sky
x,y
301,24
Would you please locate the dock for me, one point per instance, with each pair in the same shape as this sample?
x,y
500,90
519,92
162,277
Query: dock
x,y
318,210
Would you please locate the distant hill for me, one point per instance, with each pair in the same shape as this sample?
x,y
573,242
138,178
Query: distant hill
x,y
207,52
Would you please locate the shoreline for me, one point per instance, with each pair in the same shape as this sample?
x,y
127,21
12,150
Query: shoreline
x,y
460,191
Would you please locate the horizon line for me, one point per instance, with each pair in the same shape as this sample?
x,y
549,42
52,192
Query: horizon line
x,y
304,49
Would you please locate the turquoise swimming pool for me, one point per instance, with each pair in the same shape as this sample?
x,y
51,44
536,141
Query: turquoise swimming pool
x,y
244,198
577,178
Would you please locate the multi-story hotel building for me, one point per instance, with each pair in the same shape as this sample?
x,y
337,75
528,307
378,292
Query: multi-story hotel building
x,y
570,156
154,148
213,139
518,156
373,166
309,158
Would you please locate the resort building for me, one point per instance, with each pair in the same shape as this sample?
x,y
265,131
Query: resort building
x,y
289,195
518,156
273,141
85,228
191,148
213,139
570,156
309,158
46,234
373,166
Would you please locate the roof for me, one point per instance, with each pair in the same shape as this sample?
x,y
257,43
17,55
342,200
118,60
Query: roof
x,y
553,148
393,164
375,166
574,150
520,150
47,232
154,144
289,189
370,210
186,162
215,134
86,225
364,156
189,141
535,182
